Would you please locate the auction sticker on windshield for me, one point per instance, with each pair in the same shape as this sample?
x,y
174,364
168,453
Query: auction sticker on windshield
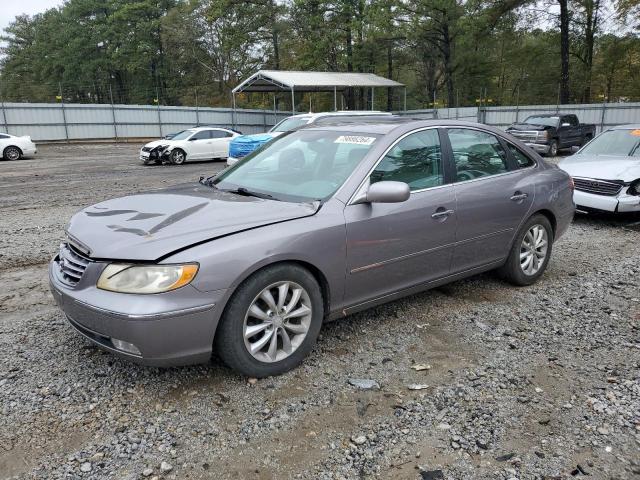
x,y
355,139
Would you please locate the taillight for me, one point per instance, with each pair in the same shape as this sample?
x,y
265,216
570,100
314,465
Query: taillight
x,y
572,184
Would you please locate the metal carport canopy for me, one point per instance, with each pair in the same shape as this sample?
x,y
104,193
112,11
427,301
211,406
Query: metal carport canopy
x,y
285,81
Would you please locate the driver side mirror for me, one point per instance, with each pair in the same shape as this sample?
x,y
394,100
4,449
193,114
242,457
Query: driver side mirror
x,y
383,192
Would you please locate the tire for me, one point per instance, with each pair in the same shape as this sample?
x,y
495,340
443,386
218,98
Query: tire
x,y
178,157
515,269
553,148
586,140
12,153
230,342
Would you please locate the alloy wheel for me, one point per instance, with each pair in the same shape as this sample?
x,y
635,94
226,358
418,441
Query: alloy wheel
x,y
12,153
178,157
533,250
277,321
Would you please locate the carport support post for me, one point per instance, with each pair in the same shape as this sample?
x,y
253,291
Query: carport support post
x,y
371,98
293,102
4,116
275,114
197,113
335,99
113,115
233,112
405,99
64,115
159,116
604,111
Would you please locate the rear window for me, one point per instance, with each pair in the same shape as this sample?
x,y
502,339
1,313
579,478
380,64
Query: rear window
x,y
521,159
290,123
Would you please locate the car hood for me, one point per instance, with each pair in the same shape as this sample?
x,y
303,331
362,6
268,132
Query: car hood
x,y
149,226
162,141
603,167
528,126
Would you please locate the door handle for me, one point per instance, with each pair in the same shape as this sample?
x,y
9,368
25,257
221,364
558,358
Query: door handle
x,y
441,214
517,197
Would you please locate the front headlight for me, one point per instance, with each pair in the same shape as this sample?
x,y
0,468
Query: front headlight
x,y
131,278
634,188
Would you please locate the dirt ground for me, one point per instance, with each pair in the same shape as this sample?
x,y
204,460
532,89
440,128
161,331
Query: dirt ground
x,y
533,383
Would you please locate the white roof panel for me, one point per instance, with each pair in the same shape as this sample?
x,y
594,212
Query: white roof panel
x,y
281,80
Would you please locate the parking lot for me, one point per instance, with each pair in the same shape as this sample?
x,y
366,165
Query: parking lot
x,y
539,382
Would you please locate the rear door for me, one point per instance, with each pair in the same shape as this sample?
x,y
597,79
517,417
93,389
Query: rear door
x,y
493,197
220,143
394,246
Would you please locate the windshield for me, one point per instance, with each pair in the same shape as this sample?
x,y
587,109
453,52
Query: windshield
x,y
183,135
300,166
548,121
614,142
290,123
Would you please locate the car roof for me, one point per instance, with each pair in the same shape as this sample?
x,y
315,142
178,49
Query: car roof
x,y
628,126
396,123
340,113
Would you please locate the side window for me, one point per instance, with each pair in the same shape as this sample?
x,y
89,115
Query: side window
x,y
218,134
476,154
201,135
522,160
3,136
415,160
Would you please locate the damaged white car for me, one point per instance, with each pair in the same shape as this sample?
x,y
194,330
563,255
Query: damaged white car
x,y
606,171
201,143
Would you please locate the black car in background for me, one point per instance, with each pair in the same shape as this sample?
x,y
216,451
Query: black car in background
x,y
547,134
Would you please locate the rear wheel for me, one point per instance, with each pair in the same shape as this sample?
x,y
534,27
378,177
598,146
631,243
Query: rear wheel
x,y
530,253
11,153
586,139
272,321
178,157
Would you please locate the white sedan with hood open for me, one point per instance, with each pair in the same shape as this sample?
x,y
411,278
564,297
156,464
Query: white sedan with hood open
x,y
606,171
14,148
200,143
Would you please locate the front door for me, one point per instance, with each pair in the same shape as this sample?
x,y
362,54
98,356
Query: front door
x,y
200,145
391,247
493,197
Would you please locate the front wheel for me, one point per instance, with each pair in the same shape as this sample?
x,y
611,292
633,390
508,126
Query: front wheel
x,y
178,157
272,321
553,148
12,153
530,253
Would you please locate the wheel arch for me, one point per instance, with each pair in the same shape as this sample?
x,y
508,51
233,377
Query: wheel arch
x,y
318,274
550,216
10,146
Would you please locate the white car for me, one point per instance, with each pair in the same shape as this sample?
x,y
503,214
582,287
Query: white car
x,y
606,171
199,143
14,148
248,143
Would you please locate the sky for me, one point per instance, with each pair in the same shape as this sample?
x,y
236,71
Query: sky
x,y
9,9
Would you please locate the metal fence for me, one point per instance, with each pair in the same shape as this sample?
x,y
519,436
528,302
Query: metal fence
x,y
56,121
51,121
603,115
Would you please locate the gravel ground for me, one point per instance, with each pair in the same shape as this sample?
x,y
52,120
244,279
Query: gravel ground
x,y
532,383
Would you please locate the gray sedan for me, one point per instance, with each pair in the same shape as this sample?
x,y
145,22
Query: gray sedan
x,y
321,223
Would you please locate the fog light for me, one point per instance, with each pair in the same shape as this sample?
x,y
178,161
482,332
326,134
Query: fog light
x,y
125,346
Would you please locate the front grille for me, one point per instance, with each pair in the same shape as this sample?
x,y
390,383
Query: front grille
x,y
598,187
526,136
71,264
